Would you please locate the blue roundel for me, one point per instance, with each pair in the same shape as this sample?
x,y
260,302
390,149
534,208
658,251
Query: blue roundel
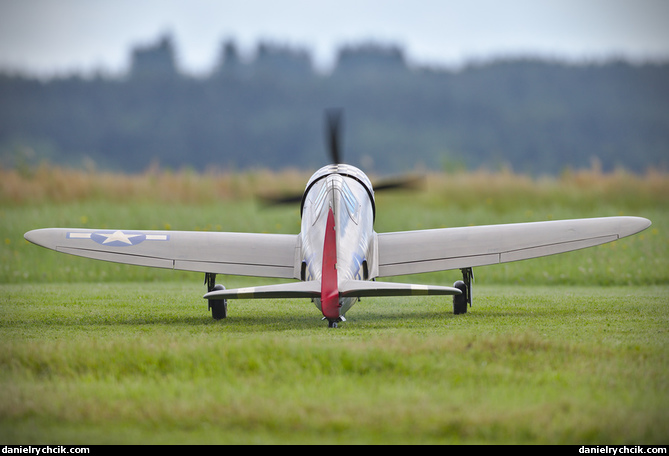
x,y
118,238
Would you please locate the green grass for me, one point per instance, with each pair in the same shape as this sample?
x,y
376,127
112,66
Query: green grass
x,y
145,363
565,349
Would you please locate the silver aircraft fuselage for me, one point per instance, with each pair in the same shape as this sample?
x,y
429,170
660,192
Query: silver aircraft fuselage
x,y
342,194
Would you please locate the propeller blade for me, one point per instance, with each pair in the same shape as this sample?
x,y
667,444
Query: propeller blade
x,y
333,124
333,119
397,183
278,200
400,183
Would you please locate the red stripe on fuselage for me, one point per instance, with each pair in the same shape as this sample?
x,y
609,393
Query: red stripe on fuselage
x,y
329,284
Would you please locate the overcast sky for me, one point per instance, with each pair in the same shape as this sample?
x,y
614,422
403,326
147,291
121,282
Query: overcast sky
x,y
47,36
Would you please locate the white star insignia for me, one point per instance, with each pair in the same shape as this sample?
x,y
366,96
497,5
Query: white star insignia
x,y
119,236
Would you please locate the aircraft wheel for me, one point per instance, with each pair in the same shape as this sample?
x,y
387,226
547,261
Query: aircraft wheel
x,y
460,301
219,307
332,324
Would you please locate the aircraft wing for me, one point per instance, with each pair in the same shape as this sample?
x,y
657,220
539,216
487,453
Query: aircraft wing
x,y
253,254
412,252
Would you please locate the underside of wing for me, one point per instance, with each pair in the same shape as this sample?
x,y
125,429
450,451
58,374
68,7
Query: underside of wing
x,y
262,255
413,252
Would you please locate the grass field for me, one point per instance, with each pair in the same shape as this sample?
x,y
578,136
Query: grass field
x,y
565,349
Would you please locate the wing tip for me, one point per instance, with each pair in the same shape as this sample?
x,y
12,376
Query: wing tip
x,y
633,225
38,237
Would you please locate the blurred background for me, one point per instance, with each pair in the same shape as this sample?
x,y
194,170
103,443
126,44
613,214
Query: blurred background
x,y
533,87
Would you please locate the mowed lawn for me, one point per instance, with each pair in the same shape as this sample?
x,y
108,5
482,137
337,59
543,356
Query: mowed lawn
x,y
145,363
566,349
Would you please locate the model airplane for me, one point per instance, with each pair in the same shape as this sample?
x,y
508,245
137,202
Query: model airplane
x,y
337,256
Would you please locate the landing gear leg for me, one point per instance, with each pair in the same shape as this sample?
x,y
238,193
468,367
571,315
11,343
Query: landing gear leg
x,y
218,307
465,286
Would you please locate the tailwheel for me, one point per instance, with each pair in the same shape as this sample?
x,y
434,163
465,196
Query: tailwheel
x,y
333,323
460,301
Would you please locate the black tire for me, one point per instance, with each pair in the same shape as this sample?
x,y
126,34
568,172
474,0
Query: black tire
x,y
219,308
460,301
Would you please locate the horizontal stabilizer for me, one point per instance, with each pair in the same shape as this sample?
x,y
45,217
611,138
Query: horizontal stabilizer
x,y
347,289
364,288
311,289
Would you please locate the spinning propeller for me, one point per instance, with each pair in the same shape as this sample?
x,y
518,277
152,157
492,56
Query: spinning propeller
x,y
333,126
332,131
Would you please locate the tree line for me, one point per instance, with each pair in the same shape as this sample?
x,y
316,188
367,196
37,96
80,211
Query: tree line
x,y
532,115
